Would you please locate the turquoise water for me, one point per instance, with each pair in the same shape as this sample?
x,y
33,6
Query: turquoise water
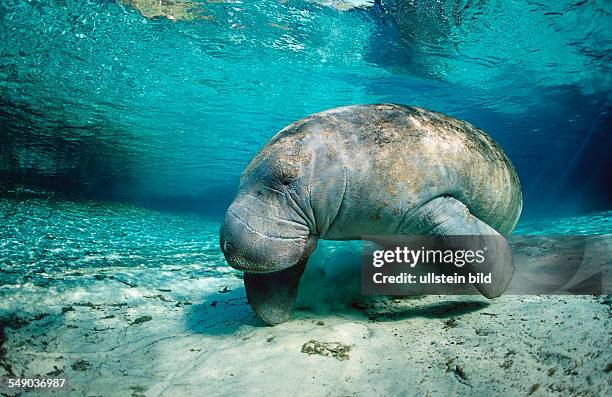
x,y
46,240
51,243
114,116
98,101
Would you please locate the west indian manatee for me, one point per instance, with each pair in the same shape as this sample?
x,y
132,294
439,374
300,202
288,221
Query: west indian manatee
x,y
381,169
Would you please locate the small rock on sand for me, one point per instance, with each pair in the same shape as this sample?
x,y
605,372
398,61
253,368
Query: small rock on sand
x,y
336,350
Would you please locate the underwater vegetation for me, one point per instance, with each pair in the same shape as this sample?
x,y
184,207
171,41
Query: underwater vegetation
x,y
175,10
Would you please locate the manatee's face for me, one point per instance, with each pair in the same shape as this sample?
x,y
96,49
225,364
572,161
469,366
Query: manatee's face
x,y
265,230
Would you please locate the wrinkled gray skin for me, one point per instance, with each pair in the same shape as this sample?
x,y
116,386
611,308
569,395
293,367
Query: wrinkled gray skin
x,y
363,170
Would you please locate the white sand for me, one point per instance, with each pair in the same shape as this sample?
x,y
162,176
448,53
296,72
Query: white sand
x,y
413,346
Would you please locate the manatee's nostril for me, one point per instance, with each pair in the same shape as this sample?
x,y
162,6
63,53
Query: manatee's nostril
x,y
228,248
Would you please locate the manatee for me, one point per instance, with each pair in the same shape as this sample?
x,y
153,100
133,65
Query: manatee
x,y
381,169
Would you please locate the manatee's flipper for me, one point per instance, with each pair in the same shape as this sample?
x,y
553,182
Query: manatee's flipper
x,y
449,216
272,295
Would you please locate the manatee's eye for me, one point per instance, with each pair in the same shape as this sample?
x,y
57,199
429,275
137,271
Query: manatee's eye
x,y
285,174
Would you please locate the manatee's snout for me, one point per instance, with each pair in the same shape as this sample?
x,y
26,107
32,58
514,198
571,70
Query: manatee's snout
x,y
255,239
233,239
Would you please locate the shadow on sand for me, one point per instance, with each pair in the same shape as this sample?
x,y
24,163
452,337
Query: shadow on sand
x,y
441,310
224,313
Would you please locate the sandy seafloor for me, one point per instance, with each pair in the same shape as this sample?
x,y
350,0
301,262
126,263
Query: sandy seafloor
x,y
122,301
